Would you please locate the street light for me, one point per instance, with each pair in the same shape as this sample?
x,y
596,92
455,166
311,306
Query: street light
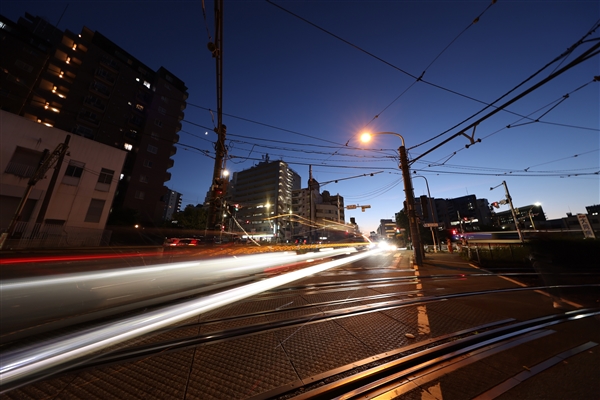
x,y
433,219
408,190
512,208
529,212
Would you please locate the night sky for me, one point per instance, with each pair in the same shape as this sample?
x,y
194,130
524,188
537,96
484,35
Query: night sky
x,y
302,79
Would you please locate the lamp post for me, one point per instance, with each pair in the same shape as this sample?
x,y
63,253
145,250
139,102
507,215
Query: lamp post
x,y
433,219
408,190
530,216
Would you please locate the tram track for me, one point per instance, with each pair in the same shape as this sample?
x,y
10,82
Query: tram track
x,y
319,315
400,375
296,314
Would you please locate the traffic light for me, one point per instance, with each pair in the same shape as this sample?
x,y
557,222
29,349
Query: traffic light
x,y
218,187
496,204
236,207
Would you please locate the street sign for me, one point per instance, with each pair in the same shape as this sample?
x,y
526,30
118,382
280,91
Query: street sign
x,y
431,225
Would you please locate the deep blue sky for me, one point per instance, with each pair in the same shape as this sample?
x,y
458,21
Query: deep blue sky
x,y
300,94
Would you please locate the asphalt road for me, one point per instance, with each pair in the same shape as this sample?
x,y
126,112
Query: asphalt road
x,y
291,340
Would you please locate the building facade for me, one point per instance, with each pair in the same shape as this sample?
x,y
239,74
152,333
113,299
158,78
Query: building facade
x,y
263,195
386,229
172,204
87,85
319,216
70,204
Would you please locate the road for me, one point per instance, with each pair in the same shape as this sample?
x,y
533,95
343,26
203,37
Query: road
x,y
446,330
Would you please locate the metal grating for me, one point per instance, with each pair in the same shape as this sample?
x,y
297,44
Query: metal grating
x,y
317,348
239,368
162,377
377,331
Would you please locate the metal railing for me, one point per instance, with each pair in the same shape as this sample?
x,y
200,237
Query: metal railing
x,y
38,235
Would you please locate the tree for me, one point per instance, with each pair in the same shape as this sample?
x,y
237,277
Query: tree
x,y
192,217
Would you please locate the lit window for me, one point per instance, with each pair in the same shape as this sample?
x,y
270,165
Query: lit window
x,y
139,107
127,146
121,177
147,84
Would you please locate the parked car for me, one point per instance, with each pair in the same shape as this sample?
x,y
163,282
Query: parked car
x,y
177,242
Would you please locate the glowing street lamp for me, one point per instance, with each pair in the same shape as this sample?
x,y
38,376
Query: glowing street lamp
x,y
408,190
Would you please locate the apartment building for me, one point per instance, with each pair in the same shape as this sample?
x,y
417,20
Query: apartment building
x,y
87,85
263,194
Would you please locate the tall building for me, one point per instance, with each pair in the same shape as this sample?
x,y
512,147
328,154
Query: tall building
x,y
172,204
263,194
87,85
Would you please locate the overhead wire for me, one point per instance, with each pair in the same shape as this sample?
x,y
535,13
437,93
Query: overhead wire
x,y
473,22
552,106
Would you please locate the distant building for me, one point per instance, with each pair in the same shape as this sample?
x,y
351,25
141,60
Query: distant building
x,y
319,216
593,210
172,204
575,225
75,211
87,85
387,228
467,212
530,217
263,194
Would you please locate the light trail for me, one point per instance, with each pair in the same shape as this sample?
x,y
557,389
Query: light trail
x,y
51,356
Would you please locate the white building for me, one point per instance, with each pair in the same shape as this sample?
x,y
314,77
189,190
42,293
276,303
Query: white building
x,y
172,204
74,213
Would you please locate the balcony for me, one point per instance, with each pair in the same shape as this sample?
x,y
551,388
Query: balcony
x,y
105,76
95,102
100,89
20,170
88,116
110,64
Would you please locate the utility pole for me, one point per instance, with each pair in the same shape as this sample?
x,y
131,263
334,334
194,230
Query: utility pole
x,y
53,180
512,209
45,164
410,205
217,186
